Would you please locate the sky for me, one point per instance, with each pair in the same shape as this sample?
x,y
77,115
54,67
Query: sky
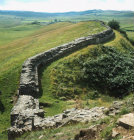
x,y
65,5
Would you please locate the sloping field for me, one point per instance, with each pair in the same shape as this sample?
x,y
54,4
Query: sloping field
x,y
62,86
18,47
61,90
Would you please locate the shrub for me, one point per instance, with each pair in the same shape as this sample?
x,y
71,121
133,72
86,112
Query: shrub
x,y
35,22
109,71
114,24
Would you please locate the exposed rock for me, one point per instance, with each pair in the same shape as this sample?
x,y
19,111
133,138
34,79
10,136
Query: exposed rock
x,y
127,121
128,138
58,134
40,137
114,108
33,120
115,133
23,115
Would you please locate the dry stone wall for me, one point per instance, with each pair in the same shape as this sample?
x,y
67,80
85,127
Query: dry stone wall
x,y
26,111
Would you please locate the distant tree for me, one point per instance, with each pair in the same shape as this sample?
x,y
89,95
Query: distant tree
x,y
55,20
114,24
35,22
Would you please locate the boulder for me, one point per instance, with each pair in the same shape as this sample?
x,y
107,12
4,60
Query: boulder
x,y
115,133
126,121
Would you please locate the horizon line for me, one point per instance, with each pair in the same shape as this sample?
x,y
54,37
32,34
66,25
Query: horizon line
x,y
64,12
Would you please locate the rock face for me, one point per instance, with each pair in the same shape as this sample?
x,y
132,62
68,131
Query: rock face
x,y
127,121
26,114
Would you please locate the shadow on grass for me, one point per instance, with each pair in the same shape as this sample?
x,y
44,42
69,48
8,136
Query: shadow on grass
x,y
2,108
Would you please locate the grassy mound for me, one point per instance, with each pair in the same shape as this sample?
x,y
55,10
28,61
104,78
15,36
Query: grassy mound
x,y
17,43
62,81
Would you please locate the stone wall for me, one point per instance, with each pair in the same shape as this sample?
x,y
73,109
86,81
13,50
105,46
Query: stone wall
x,y
26,110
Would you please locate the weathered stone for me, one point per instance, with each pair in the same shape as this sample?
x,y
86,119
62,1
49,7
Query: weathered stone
x,y
127,121
114,108
58,134
40,137
114,133
128,138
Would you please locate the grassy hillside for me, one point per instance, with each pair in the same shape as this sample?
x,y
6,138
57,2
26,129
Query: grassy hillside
x,y
16,17
62,85
13,18
62,89
20,42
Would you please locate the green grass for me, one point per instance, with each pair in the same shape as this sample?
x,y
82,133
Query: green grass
x,y
14,33
9,21
44,39
61,79
131,35
22,41
129,30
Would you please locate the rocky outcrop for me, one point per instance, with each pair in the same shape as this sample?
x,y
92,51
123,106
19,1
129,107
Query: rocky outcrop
x,y
32,118
26,114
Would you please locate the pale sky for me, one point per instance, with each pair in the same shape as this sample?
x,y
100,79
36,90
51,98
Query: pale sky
x,y
65,5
